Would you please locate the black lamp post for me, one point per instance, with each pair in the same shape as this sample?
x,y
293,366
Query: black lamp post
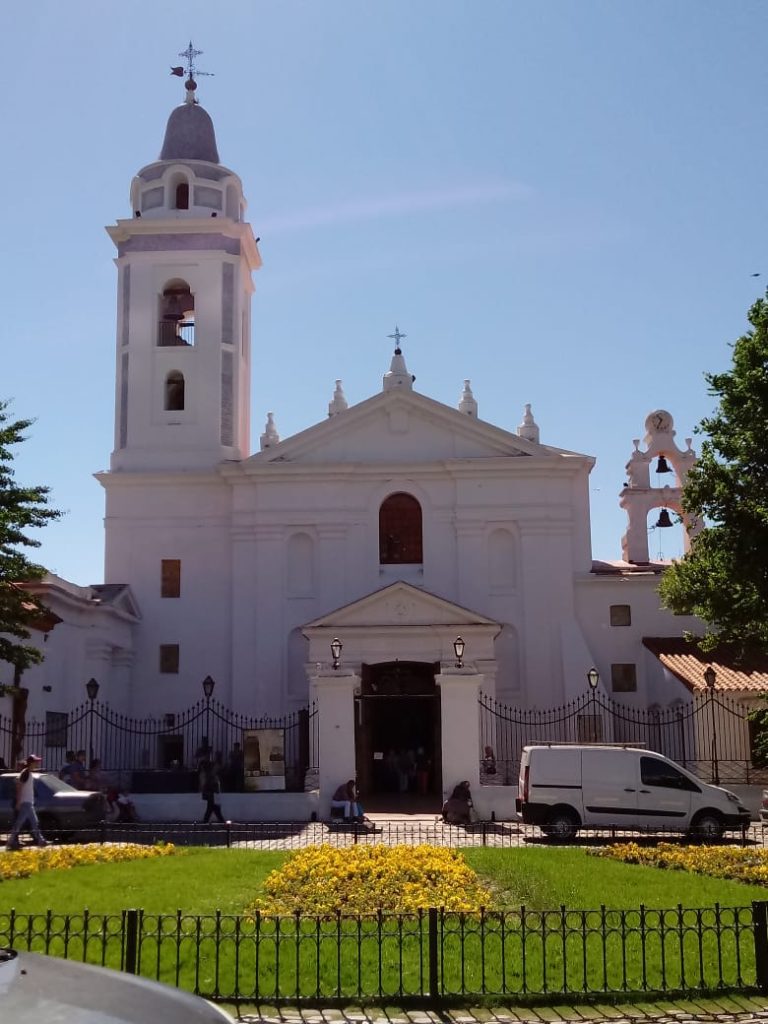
x,y
336,649
208,685
710,678
92,689
593,678
458,650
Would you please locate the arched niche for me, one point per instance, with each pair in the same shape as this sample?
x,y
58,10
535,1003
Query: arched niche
x,y
300,565
506,648
502,560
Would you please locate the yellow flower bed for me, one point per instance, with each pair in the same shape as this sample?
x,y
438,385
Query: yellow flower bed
x,y
739,863
23,863
358,880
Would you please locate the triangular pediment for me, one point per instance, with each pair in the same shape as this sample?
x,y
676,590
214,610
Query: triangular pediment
x,y
400,604
118,596
402,427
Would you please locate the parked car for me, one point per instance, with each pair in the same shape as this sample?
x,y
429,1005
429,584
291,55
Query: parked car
x,y
36,988
565,787
764,808
61,808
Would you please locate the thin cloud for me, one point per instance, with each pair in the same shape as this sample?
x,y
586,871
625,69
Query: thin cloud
x,y
398,205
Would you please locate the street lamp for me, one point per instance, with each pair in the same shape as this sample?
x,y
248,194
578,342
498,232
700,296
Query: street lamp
x,y
92,689
593,678
208,685
710,678
458,650
336,649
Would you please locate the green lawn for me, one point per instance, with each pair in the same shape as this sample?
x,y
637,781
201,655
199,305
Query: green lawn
x,y
541,951
197,880
546,879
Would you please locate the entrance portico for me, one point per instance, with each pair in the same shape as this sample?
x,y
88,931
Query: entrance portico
x,y
398,694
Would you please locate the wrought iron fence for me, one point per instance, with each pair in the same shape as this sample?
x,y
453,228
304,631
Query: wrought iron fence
x,y
710,735
427,957
165,749
296,835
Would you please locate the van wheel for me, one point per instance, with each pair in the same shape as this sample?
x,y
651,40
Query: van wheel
x,y
707,826
562,824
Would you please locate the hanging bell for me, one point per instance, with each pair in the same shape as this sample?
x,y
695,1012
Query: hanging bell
x,y
662,466
663,520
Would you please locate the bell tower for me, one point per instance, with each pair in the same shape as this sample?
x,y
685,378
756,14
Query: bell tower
x,y
638,497
185,259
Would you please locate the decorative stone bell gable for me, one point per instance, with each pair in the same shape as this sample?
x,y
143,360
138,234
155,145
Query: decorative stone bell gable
x,y
638,497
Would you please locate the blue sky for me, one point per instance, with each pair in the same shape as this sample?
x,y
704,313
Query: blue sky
x,y
562,201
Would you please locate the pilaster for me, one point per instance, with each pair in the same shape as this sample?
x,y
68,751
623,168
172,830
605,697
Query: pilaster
x,y
460,727
335,694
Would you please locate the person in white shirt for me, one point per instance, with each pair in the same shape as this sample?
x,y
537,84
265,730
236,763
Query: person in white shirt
x,y
26,816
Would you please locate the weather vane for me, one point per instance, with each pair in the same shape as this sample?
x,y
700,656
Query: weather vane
x,y
189,56
396,337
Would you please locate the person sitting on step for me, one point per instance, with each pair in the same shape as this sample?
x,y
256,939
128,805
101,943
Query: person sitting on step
x,y
344,803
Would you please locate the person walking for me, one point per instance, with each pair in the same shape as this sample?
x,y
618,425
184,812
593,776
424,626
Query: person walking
x,y
210,787
26,815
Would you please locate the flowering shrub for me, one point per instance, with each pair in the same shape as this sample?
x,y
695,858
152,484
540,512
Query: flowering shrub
x,y
23,863
323,880
737,863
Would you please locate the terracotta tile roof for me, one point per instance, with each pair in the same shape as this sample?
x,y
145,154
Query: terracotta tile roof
x,y
618,568
687,662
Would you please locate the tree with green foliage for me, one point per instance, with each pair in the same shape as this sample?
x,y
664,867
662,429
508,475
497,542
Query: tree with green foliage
x,y
723,579
21,509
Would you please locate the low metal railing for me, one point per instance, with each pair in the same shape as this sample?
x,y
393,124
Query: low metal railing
x,y
428,957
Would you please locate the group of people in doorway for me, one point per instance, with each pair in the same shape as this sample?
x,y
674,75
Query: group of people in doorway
x,y
407,771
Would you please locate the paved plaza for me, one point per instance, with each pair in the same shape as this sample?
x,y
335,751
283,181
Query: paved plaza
x,y
727,1010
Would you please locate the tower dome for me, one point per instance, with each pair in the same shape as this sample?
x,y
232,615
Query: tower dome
x,y
189,135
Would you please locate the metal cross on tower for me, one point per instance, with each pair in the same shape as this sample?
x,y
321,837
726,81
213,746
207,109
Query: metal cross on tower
x,y
396,337
189,56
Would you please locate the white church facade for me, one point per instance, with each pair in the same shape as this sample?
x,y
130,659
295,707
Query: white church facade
x,y
395,526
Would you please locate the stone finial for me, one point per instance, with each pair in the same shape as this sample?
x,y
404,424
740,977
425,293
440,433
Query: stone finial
x,y
528,429
398,376
339,402
467,403
270,437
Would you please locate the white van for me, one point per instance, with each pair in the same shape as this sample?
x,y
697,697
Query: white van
x,y
565,787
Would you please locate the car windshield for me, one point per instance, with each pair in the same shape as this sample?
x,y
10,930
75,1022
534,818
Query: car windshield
x,y
55,784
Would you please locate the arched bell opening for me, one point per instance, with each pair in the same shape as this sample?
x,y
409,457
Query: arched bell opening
x,y
176,314
666,533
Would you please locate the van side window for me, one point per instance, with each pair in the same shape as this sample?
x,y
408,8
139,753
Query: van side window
x,y
658,773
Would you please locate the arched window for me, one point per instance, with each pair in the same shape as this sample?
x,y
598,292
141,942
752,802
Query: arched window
x,y
182,196
400,530
174,391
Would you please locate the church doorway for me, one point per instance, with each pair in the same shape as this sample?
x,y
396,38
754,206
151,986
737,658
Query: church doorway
x,y
397,737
